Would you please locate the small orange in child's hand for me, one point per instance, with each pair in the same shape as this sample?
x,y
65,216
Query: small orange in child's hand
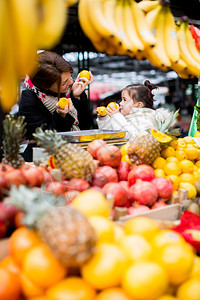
x,y
63,102
85,74
9,285
112,104
102,111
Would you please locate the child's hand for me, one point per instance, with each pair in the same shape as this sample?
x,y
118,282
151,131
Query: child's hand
x,y
111,110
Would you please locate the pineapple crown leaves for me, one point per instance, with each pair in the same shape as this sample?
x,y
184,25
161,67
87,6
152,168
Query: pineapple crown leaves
x,y
33,202
14,132
49,139
164,126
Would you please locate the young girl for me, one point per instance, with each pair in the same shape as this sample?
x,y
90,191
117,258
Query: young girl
x,y
135,112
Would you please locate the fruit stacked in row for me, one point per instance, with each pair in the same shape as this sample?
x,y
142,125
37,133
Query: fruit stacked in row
x,y
35,25
137,260
146,30
179,162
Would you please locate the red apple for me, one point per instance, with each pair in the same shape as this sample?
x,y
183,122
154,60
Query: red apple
x,y
94,146
163,186
117,191
77,184
143,192
143,172
123,169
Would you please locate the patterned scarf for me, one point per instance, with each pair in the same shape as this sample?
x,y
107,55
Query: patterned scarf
x,y
50,101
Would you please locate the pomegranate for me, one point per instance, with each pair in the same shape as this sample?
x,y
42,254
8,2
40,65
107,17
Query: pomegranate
x,y
123,169
9,211
117,191
5,167
109,155
99,180
15,177
109,172
159,204
125,185
34,176
143,192
77,184
137,209
3,185
70,196
96,163
55,187
164,187
143,172
94,146
3,229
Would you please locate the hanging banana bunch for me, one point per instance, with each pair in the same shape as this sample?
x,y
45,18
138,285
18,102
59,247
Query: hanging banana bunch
x,y
25,27
70,2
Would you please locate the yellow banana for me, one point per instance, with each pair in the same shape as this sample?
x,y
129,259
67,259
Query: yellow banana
x,y
151,18
185,74
185,55
147,5
179,66
2,31
119,21
159,49
130,29
191,44
98,20
70,2
52,23
141,25
170,36
23,22
8,73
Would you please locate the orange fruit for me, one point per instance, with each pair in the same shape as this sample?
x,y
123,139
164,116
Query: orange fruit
x,y
9,264
42,268
63,102
145,280
105,268
72,288
167,297
103,227
40,298
21,241
189,289
91,203
113,294
141,225
112,104
177,260
172,168
85,73
29,289
102,111
9,285
135,247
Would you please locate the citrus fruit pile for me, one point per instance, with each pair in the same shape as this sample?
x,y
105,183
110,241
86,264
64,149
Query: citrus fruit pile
x,y
136,260
180,163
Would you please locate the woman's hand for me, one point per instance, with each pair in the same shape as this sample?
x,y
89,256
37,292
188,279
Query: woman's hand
x,y
80,85
111,110
63,112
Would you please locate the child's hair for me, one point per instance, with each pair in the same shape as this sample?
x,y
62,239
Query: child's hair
x,y
142,93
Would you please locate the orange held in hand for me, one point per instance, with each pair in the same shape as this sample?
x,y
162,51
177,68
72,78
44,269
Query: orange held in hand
x,y
112,104
85,74
101,111
63,102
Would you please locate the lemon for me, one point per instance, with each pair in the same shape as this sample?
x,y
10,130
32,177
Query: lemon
x,y
180,154
124,148
174,144
177,260
192,153
192,192
172,168
181,143
166,237
197,164
174,180
85,73
168,151
197,134
167,297
103,227
172,159
159,163
135,247
126,158
190,289
186,166
196,266
118,233
196,176
159,173
145,280
187,177
189,140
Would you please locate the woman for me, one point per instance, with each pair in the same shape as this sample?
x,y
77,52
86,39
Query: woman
x,y
39,101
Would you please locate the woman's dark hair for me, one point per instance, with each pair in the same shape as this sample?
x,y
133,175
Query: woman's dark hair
x,y
142,93
50,67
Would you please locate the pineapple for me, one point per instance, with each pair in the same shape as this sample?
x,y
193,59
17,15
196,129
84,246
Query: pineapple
x,y
13,134
145,148
64,229
71,159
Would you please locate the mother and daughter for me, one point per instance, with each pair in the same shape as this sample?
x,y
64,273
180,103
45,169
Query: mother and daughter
x,y
135,112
